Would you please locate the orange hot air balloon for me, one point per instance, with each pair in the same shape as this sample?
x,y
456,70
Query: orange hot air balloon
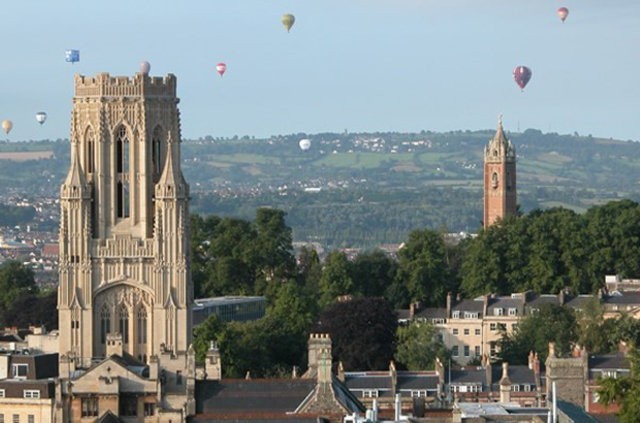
x,y
563,12
221,68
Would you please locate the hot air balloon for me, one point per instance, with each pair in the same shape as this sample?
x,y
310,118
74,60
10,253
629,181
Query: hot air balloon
x,y
72,56
145,67
221,68
288,20
6,126
305,144
522,75
563,12
41,117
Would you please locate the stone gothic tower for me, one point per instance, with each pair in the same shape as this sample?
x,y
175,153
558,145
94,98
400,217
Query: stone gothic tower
x,y
124,224
499,178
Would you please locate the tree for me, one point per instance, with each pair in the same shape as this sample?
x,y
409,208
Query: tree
x,y
552,323
274,246
372,272
363,332
16,281
335,280
423,267
624,390
418,346
204,333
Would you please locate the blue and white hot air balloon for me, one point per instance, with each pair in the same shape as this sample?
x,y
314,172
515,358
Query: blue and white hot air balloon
x,y
72,56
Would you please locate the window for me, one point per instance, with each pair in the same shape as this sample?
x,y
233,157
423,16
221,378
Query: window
x,y
454,351
477,332
178,377
470,315
16,418
502,326
122,168
455,331
149,409
492,326
89,407
527,388
475,388
1,417
89,154
455,314
596,397
515,388
156,153
19,371
1,395
514,326
610,373
31,418
466,351
419,394
128,405
493,348
123,320
370,393
466,331
142,326
513,312
497,311
31,393
437,321
105,324
477,351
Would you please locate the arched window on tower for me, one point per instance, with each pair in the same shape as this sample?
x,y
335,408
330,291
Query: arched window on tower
x,y
105,323
123,323
122,169
141,329
89,152
156,153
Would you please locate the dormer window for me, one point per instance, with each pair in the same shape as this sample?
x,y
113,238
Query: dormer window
x,y
498,311
19,371
513,311
455,314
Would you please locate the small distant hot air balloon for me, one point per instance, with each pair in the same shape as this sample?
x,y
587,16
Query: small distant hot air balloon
x,y
6,126
305,144
563,12
522,75
41,117
72,56
145,67
288,20
221,68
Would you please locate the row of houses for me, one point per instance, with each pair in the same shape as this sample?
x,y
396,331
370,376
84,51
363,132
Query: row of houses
x,y
472,328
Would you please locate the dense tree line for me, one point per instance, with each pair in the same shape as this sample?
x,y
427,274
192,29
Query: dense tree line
x,y
543,251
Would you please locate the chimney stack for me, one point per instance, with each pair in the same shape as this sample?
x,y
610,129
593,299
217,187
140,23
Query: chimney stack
x,y
505,384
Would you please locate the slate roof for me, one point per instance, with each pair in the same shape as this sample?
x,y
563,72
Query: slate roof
x,y
626,298
468,305
578,302
465,375
253,396
538,300
432,313
505,303
417,380
368,380
611,361
519,374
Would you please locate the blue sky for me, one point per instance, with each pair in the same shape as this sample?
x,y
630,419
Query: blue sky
x,y
361,65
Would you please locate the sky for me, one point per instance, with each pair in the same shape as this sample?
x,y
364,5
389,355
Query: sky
x,y
356,65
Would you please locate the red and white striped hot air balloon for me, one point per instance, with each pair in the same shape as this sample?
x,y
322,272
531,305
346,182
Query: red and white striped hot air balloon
x,y
563,12
221,68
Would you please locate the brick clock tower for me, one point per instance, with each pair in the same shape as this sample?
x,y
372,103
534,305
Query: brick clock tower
x,y
499,178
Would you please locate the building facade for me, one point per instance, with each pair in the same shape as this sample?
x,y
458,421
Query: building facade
x,y
499,178
124,268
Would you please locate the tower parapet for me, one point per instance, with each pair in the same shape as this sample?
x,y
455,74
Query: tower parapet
x,y
103,85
